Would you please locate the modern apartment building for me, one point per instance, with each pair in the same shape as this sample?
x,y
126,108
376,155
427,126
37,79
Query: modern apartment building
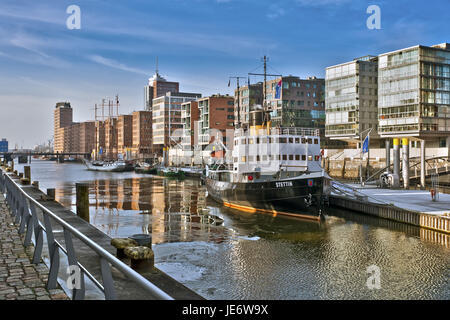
x,y
414,94
124,133
249,96
351,100
216,115
142,134
83,137
70,136
190,114
63,117
166,117
3,145
296,102
157,86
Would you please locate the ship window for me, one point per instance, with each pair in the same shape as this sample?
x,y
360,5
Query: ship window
x,y
264,158
258,159
244,159
291,157
297,140
244,140
284,156
250,141
279,157
270,140
235,142
317,158
235,159
291,140
316,141
272,157
303,157
303,140
309,140
264,140
297,157
257,140
251,158
309,158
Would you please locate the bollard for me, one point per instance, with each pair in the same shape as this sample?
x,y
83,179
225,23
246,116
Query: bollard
x,y
405,166
388,155
35,184
27,172
396,174
82,191
51,193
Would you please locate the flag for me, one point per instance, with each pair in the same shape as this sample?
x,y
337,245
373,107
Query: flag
x,y
365,147
278,90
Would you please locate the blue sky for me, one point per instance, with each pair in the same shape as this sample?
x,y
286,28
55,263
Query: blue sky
x,y
200,43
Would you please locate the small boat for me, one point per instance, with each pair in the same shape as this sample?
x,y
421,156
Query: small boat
x,y
145,168
192,172
113,166
171,172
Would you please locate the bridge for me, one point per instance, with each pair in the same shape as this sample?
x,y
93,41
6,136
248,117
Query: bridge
x,y
8,156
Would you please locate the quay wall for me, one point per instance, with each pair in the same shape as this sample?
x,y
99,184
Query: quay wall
x,y
432,222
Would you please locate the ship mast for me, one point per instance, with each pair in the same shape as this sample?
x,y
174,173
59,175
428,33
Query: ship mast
x,y
264,105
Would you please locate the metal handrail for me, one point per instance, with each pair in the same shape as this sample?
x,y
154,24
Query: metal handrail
x,y
108,289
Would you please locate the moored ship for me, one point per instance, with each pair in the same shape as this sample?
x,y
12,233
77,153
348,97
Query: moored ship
x,y
274,170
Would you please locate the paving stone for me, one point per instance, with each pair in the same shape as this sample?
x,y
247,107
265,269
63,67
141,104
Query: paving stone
x,y
19,278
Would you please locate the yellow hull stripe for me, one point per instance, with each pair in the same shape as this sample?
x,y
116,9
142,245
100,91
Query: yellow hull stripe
x,y
271,211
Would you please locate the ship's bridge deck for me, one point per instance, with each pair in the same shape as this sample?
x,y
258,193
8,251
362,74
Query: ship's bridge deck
x,y
278,131
276,149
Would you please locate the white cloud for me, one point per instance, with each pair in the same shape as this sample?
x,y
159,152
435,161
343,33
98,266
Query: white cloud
x,y
275,12
114,64
318,3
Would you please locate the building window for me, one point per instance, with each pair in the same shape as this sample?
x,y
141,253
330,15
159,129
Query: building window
x,y
316,141
297,157
244,159
297,140
303,157
442,143
291,157
291,140
284,156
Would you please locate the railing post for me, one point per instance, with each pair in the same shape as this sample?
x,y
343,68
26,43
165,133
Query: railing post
x,y
78,293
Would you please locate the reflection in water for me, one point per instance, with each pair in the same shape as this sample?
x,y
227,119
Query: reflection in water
x,y
173,210
256,256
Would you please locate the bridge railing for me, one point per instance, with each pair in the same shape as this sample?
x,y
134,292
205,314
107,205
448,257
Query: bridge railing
x,y
24,209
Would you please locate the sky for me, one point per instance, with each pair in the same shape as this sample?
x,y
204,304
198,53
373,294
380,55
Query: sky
x,y
199,43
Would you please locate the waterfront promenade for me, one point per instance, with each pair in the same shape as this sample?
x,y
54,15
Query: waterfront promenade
x,y
19,278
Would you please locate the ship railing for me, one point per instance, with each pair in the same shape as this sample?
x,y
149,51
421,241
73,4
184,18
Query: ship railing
x,y
24,210
296,131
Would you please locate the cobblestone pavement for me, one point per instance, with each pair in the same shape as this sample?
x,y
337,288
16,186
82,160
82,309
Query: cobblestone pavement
x,y
19,278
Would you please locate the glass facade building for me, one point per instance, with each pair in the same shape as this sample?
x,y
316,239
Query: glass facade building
x,y
414,92
351,99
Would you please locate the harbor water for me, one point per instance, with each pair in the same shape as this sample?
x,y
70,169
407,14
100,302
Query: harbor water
x,y
222,253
